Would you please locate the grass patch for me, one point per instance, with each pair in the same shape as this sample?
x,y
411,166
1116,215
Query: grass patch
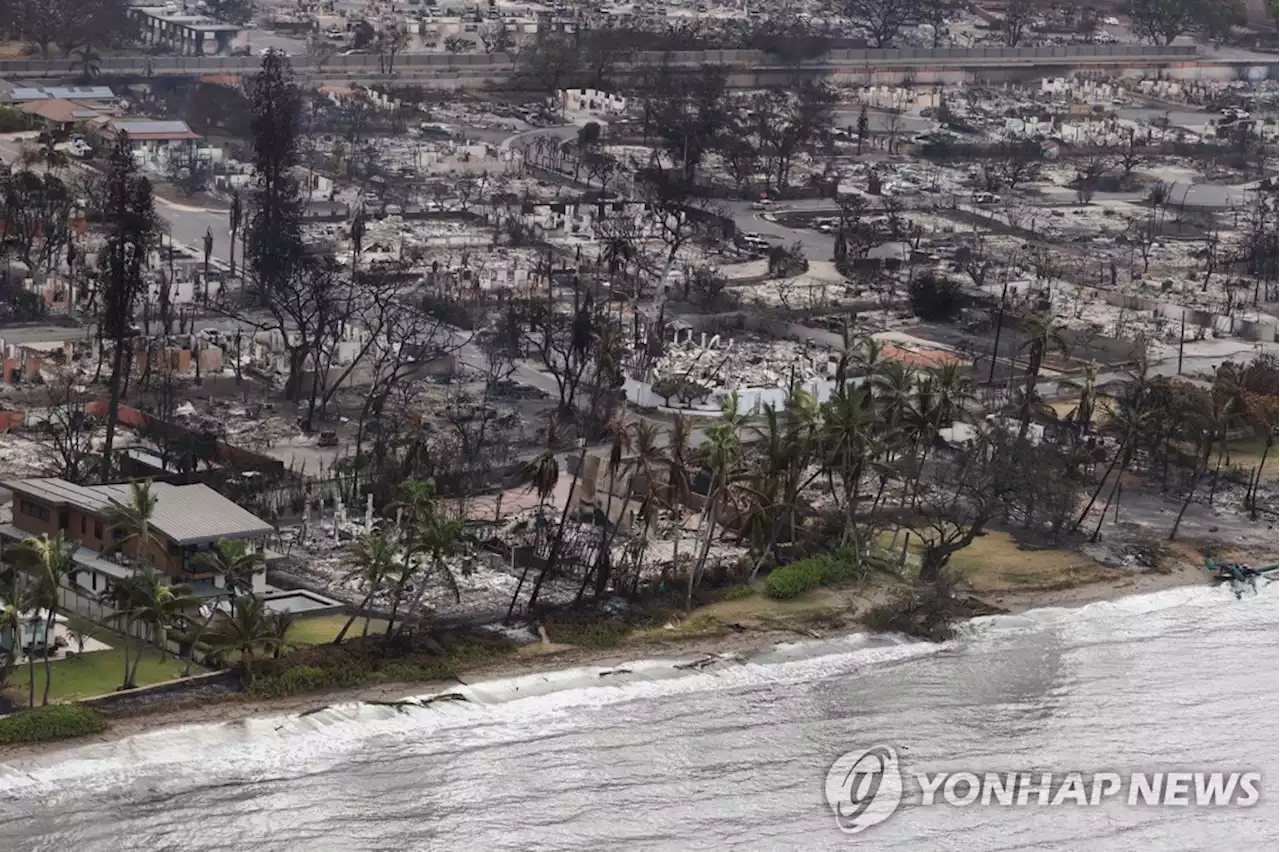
x,y
737,593
995,563
335,667
588,632
323,629
826,569
1247,452
53,722
98,673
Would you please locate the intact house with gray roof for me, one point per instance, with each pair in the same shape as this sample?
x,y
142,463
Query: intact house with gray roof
x,y
188,519
155,143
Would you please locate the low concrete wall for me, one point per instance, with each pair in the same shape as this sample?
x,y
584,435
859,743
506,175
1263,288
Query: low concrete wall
x,y
158,695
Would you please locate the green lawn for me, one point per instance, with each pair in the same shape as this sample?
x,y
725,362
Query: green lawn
x,y
1248,452
320,629
97,673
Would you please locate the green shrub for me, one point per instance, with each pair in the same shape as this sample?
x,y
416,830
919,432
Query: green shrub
x,y
316,673
13,120
826,569
737,593
588,633
407,672
52,722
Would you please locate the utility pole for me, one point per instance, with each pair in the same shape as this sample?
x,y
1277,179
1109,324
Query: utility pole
x,y
1182,335
995,351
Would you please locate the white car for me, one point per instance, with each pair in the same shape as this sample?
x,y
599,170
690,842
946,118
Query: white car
x,y
762,204
1111,22
79,148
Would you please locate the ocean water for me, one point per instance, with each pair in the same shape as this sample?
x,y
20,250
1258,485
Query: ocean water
x,y
735,756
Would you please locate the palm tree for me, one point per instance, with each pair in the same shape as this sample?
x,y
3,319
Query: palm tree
x,y
374,557
619,438
721,454
545,475
1086,389
246,629
848,445
51,562
428,540
892,385
679,488
279,623
437,539
130,522
1129,419
1044,334
1208,418
160,605
554,552
943,398
124,594
234,561
15,605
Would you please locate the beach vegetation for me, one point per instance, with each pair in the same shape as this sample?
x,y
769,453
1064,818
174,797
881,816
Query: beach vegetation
x,y
51,722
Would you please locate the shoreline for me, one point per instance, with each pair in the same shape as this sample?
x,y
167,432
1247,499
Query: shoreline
x,y
533,659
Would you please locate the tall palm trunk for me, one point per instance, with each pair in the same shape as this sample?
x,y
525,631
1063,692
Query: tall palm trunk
x,y
137,659
195,638
713,502
342,634
1191,493
1122,452
559,539
114,390
48,668
128,628
31,669
602,552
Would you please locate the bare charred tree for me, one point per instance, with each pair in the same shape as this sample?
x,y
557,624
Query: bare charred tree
x,y
551,62
964,495
404,340
934,13
133,230
306,299
563,343
496,38
1017,17
677,214
68,430
687,113
37,219
882,19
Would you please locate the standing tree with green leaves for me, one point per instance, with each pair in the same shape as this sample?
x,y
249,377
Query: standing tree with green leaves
x,y
49,562
428,539
374,558
247,629
17,603
1044,336
235,561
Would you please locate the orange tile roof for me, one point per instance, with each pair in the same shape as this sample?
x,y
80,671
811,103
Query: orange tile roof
x,y
921,358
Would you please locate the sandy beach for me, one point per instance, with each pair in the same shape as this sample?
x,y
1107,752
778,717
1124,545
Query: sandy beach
x,y
537,658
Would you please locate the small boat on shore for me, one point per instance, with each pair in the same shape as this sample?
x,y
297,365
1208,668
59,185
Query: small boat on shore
x,y
1235,572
